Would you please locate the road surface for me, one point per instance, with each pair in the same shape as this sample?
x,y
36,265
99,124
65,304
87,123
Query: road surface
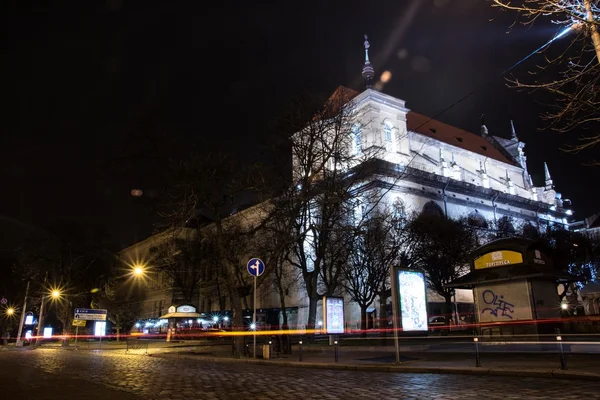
x,y
49,374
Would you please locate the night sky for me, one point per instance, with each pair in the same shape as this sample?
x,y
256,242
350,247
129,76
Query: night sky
x,y
86,83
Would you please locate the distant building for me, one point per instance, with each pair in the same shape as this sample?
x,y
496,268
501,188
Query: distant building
x,y
447,171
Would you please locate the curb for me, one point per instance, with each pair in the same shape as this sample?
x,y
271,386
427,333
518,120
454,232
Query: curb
x,y
529,373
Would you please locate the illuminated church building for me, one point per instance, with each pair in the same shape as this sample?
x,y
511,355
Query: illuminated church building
x,y
451,172
447,171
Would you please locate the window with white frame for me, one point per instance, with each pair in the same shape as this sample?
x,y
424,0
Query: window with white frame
x,y
388,130
356,139
388,135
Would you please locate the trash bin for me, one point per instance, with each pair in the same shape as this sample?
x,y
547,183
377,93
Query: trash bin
x,y
266,351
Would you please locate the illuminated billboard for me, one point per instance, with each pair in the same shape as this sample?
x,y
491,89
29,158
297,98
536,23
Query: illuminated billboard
x,y
413,302
333,315
100,328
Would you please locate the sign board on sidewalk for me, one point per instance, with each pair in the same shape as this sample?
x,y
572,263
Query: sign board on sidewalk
x,y
88,314
78,322
100,328
333,315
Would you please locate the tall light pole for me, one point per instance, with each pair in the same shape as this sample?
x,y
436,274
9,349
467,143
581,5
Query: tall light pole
x,y
19,341
55,294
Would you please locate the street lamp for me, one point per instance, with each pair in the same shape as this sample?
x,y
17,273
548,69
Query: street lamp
x,y
54,294
10,311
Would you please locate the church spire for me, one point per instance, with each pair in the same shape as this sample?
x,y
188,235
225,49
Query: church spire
x,y
513,133
368,72
547,178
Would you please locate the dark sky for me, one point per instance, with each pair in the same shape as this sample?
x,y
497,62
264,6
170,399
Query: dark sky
x,y
85,82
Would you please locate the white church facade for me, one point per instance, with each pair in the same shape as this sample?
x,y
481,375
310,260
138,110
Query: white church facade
x,y
443,169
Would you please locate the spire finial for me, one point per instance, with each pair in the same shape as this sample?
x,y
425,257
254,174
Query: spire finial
x,y
547,178
484,129
368,72
513,133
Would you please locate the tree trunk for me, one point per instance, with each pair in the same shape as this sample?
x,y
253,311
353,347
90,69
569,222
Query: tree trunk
x,y
286,347
448,314
312,313
118,333
363,321
383,323
593,29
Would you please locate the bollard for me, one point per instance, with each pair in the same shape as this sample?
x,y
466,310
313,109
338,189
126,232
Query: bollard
x,y
300,351
563,360
270,349
477,359
335,343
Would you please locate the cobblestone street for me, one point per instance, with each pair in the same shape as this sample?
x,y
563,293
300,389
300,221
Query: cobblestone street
x,y
55,374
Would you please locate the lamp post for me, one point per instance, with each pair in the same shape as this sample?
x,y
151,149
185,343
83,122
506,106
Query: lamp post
x,y
55,294
19,342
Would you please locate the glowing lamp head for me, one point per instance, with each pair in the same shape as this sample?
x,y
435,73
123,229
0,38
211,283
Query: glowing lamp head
x,y
225,318
215,319
55,294
253,326
10,311
138,271
564,306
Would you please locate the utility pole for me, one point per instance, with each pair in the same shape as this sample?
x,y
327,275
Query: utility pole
x,y
41,316
19,341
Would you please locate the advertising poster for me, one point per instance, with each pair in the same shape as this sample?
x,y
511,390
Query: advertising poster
x,y
333,308
100,328
413,303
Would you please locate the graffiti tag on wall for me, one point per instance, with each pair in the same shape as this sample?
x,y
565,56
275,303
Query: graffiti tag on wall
x,y
501,308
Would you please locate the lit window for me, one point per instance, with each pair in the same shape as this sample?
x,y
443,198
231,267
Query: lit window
x,y
387,130
357,139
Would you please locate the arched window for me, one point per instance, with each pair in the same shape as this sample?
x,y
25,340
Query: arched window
x,y
431,208
356,139
477,220
388,129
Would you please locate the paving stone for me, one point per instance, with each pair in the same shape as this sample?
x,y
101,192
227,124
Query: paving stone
x,y
162,378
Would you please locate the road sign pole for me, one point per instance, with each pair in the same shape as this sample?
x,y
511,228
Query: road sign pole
x,y
76,333
254,316
255,267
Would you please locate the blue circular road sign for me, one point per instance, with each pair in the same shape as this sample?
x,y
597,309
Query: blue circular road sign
x,y
256,267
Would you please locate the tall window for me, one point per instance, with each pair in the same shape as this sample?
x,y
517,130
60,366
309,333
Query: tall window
x,y
388,129
356,139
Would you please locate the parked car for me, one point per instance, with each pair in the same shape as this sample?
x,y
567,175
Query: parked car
x,y
438,323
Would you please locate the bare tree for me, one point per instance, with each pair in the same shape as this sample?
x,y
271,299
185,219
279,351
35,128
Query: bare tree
x,y
328,165
376,246
572,75
207,190
183,256
441,247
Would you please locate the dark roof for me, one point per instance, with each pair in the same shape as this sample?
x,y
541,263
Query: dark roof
x,y
455,136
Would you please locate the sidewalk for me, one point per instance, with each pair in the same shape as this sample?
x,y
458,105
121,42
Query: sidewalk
x,y
547,365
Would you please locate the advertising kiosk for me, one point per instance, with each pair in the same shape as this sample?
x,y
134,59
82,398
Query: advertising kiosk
x,y
514,284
